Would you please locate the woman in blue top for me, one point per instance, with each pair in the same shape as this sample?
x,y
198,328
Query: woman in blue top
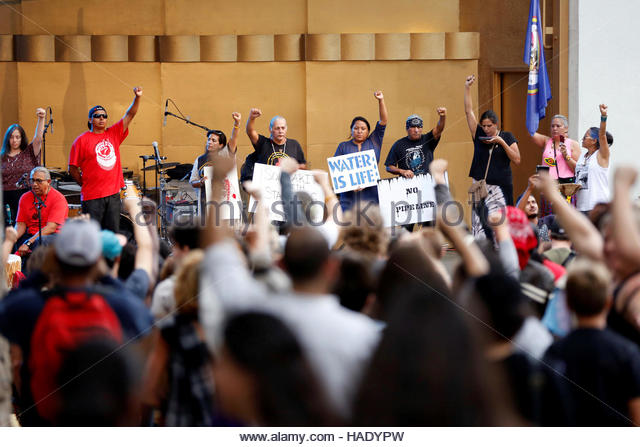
x,y
362,139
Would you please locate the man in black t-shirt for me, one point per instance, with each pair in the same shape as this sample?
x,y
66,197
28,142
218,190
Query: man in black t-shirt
x,y
602,368
412,154
270,150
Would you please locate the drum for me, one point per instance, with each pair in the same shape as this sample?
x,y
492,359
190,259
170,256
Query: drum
x,y
182,213
130,190
14,264
74,210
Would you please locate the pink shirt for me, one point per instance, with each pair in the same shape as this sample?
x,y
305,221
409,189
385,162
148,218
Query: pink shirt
x,y
549,160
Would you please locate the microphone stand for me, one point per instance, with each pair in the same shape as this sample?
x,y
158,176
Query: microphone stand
x,y
161,195
44,141
162,192
39,204
187,120
145,158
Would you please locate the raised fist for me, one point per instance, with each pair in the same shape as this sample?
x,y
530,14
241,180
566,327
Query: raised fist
x,y
438,166
625,176
603,109
470,80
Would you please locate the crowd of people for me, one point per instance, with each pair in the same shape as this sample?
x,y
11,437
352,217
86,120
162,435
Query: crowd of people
x,y
530,316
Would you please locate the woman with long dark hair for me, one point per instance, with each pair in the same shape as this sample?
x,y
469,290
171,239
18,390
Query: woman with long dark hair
x,y
493,152
428,369
263,378
19,157
363,139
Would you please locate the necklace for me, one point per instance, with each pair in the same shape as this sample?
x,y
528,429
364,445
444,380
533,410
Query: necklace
x,y
11,160
587,156
284,147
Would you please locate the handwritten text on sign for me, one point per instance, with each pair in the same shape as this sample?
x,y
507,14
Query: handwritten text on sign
x,y
232,209
353,171
405,201
267,178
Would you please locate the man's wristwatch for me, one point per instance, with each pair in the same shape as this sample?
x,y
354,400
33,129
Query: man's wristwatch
x,y
28,243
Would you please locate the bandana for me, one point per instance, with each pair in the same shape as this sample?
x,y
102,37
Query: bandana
x,y
414,121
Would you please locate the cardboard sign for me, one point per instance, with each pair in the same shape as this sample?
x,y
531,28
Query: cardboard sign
x,y
405,201
353,171
267,178
231,206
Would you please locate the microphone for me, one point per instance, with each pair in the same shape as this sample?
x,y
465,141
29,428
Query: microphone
x,y
51,118
166,106
8,210
156,153
20,181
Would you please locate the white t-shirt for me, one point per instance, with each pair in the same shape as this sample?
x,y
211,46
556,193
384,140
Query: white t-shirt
x,y
594,180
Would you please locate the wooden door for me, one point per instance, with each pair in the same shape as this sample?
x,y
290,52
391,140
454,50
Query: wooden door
x,y
511,105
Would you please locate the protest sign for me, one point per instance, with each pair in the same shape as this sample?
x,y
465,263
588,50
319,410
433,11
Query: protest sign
x,y
231,206
405,201
267,179
353,171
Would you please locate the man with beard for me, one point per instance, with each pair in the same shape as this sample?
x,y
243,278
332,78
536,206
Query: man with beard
x,y
529,205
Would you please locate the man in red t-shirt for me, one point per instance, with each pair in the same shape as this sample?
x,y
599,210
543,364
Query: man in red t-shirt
x,y
54,210
94,162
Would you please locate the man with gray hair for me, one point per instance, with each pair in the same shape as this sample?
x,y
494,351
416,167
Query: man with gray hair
x,y
270,150
41,208
412,154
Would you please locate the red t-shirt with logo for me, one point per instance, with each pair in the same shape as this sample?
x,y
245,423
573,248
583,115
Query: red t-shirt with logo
x,y
98,155
56,210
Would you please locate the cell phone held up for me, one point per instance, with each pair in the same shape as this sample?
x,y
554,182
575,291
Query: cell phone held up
x,y
542,168
561,138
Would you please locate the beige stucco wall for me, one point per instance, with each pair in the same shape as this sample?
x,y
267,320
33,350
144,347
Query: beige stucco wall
x,y
316,62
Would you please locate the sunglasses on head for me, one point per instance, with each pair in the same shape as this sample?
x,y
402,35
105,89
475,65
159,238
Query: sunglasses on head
x,y
100,115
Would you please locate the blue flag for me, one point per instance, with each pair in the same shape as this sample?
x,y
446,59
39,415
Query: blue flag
x,y
539,90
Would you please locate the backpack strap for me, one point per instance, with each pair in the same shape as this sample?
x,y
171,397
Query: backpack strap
x,y
572,254
61,291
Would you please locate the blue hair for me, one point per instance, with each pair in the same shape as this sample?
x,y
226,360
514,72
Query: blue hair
x,y
273,120
594,132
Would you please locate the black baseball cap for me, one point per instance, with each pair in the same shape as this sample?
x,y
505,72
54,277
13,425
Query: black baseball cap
x,y
93,110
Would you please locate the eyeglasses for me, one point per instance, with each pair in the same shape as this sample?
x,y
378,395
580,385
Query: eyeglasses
x,y
38,180
100,115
